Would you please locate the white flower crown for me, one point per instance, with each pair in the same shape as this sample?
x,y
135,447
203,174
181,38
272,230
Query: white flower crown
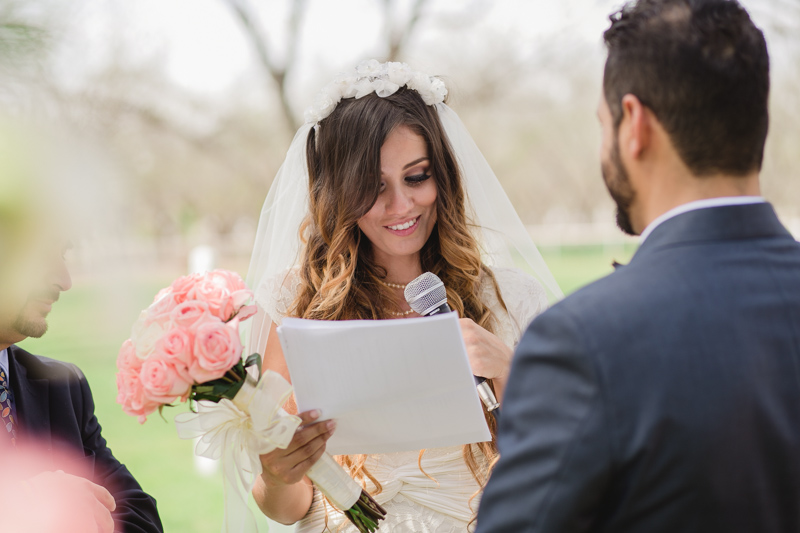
x,y
384,79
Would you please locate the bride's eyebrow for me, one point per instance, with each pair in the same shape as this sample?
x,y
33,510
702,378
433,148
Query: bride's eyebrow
x,y
416,161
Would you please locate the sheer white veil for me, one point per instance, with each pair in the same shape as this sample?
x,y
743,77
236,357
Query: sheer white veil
x,y
503,239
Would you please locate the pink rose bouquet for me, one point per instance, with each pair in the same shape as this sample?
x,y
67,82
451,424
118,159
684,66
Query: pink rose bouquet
x,y
186,345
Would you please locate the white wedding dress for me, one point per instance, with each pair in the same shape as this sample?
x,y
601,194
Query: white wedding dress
x,y
414,502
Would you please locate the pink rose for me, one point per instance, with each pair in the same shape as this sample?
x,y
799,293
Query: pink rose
x,y
164,304
217,348
230,280
239,292
146,332
126,359
215,295
175,346
224,291
131,395
190,314
161,382
183,285
163,292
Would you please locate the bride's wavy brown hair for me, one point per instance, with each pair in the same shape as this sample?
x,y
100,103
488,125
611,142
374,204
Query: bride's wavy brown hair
x,y
339,279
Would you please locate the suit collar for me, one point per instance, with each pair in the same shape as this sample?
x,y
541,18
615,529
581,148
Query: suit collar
x,y
732,222
31,395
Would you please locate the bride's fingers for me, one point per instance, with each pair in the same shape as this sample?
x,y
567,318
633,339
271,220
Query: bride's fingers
x,y
308,434
307,417
282,466
309,461
301,453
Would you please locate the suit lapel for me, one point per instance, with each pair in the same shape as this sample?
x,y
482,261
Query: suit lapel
x,y
31,398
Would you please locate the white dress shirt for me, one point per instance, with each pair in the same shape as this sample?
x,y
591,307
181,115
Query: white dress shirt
x,y
699,204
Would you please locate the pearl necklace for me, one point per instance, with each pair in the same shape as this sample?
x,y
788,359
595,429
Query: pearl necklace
x,y
395,286
392,285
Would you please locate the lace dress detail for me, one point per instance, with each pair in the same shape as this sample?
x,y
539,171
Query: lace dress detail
x,y
414,502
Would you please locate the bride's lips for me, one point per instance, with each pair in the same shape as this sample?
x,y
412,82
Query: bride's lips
x,y
407,231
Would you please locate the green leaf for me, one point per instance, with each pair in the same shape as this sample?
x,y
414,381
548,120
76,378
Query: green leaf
x,y
254,359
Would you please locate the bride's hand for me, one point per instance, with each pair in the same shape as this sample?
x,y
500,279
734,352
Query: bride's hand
x,y
288,466
489,357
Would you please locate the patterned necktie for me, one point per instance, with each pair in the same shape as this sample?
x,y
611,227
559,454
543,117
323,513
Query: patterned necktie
x,y
7,409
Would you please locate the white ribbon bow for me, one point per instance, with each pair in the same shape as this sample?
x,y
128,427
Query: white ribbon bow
x,y
238,432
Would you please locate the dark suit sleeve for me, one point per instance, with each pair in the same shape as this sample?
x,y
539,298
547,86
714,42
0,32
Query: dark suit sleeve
x,y
553,436
136,511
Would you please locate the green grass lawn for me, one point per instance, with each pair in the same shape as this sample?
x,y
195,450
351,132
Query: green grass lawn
x,y
87,327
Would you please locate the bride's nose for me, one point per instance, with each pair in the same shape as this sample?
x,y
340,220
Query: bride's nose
x,y
398,201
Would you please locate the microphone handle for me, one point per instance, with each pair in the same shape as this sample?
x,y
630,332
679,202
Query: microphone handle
x,y
486,394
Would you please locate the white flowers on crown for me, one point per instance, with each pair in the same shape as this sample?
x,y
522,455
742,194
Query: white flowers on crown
x,y
384,79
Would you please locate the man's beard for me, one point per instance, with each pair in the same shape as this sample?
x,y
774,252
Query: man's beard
x,y
619,187
30,328
37,326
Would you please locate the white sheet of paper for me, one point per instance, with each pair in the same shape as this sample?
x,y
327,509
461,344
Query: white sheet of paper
x,y
391,385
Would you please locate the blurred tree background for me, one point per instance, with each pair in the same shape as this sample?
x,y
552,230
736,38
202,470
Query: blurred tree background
x,y
194,160
184,109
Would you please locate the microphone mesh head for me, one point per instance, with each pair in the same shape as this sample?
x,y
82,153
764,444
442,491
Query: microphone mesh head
x,y
425,292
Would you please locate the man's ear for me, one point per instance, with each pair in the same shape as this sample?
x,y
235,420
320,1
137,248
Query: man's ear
x,y
635,129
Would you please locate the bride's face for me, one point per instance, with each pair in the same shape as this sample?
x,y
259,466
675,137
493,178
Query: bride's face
x,y
403,217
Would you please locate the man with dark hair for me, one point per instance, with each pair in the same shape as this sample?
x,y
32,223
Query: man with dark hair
x,y
666,396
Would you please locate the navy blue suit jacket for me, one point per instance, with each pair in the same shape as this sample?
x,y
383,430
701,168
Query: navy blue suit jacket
x,y
664,397
55,410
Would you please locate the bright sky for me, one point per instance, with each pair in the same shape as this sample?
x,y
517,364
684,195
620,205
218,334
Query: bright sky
x,y
203,48
200,45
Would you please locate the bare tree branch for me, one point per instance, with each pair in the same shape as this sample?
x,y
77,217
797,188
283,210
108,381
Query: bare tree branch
x,y
278,74
398,36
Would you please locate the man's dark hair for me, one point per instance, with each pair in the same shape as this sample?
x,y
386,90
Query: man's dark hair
x,y
702,67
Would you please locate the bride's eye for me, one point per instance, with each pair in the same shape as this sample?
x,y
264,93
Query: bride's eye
x,y
417,178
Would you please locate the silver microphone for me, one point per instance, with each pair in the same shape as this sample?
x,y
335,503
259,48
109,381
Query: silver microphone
x,y
427,296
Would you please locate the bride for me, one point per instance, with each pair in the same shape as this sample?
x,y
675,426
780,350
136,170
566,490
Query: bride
x,y
384,183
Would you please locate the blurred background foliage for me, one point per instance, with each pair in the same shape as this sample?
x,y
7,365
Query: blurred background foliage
x,y
177,115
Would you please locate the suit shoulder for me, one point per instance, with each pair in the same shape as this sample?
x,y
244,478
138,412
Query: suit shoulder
x,y
39,366
614,286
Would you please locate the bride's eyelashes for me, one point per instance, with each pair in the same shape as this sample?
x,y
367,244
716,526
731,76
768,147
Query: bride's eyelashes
x,y
417,178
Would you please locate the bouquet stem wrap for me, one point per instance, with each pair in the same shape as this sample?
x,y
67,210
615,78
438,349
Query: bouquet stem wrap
x,y
331,479
237,432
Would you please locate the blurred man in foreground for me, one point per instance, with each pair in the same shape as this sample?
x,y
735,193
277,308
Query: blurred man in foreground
x,y
666,396
58,474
